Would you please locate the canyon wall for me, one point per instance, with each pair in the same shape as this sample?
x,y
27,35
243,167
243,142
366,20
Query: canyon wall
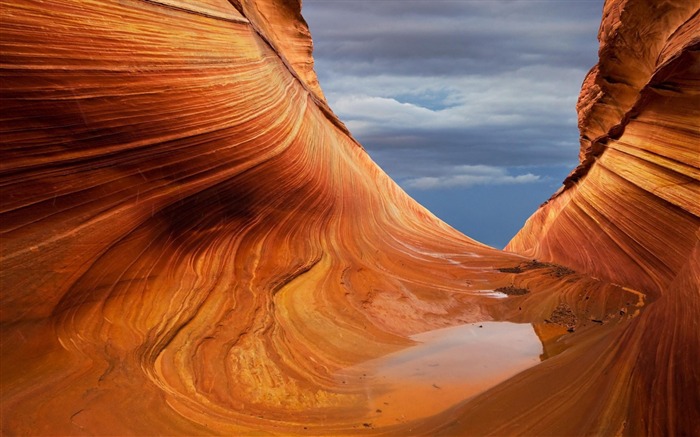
x,y
193,243
629,212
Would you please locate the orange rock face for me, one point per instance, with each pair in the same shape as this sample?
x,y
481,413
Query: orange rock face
x,y
192,243
630,213
638,116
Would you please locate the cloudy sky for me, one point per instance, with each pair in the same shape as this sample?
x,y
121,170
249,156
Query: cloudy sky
x,y
468,105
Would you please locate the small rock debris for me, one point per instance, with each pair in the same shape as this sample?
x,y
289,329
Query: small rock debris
x,y
564,316
512,290
555,269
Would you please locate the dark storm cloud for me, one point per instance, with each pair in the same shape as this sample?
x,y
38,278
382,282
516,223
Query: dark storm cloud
x,y
476,81
406,153
448,38
467,104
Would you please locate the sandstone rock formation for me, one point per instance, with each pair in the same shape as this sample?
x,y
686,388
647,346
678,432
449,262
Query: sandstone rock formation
x,y
192,243
630,213
634,199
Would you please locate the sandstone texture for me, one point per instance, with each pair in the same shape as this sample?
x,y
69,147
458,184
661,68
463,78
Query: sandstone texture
x,y
630,213
194,244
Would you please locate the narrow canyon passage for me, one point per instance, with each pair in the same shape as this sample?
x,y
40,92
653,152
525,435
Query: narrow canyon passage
x,y
194,244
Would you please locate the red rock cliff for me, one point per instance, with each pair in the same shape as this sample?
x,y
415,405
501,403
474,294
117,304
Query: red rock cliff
x,y
630,213
192,243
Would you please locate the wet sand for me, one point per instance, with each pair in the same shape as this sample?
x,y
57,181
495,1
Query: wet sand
x,y
445,366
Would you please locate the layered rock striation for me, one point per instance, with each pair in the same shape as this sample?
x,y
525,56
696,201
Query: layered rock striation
x,y
630,213
633,201
192,243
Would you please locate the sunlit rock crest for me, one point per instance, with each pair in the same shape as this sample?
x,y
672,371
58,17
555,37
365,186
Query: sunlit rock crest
x,y
192,243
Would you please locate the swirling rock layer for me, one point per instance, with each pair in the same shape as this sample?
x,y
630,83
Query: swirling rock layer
x,y
630,213
193,244
635,193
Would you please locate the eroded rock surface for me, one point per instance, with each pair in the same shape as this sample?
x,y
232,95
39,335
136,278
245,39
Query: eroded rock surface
x,y
630,213
192,243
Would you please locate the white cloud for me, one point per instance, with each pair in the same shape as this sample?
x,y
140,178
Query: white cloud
x,y
471,175
365,113
448,83
390,104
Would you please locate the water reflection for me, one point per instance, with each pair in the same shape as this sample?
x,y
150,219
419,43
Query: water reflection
x,y
445,367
